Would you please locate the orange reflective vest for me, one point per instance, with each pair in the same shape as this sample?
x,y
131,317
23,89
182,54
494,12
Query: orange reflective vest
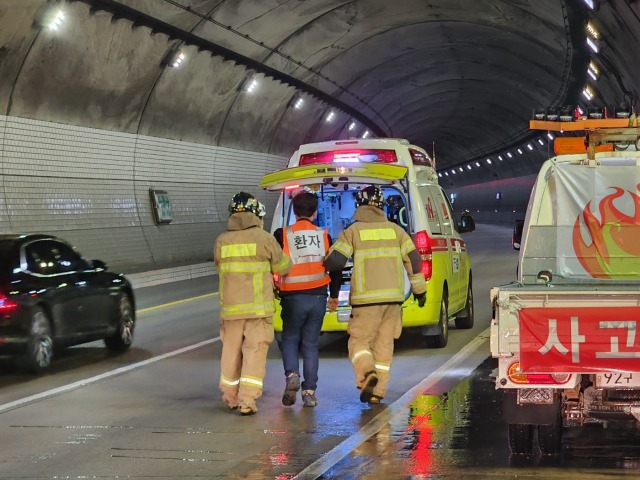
x,y
307,246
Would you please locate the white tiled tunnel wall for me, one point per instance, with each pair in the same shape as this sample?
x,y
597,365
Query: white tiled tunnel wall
x,y
91,187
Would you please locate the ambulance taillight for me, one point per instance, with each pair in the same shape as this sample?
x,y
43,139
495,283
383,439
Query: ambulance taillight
x,y
423,243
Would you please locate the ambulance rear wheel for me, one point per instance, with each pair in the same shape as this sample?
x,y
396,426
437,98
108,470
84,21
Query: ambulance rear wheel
x,y
440,340
520,438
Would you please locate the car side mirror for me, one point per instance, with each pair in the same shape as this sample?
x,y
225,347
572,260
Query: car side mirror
x,y
516,239
99,265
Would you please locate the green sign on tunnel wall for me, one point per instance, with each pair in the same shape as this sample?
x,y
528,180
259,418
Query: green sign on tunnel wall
x,y
161,206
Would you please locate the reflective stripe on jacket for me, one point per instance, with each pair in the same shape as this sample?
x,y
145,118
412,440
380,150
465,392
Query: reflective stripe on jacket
x,y
246,257
380,251
307,246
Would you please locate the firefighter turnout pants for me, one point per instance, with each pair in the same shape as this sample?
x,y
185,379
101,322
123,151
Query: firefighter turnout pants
x,y
372,330
243,363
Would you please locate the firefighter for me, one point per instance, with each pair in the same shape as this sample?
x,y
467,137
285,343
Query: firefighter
x,y
303,298
379,249
246,257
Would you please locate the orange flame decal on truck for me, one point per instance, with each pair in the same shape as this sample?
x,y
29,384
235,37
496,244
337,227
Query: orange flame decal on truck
x,y
614,251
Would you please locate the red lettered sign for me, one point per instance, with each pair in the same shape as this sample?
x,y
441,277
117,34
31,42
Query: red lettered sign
x,y
579,339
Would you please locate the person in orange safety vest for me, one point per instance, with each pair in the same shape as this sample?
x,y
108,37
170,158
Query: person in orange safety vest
x,y
246,257
303,297
379,249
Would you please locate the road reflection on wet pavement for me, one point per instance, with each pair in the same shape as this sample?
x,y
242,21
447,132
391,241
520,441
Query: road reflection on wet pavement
x,y
459,434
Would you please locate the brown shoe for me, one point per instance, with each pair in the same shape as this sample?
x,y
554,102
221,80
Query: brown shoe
x,y
247,410
370,382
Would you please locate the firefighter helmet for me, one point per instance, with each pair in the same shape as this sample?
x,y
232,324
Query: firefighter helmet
x,y
245,202
370,195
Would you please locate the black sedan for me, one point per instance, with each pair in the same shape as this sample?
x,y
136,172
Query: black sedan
x,y
51,297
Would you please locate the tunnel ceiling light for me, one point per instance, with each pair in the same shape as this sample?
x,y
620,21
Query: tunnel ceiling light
x,y
594,44
489,161
588,93
593,71
529,146
468,167
50,17
440,175
509,154
580,110
540,141
297,102
500,157
446,173
330,116
453,172
520,151
461,169
249,84
593,4
173,58
592,31
351,126
550,136
366,134
252,86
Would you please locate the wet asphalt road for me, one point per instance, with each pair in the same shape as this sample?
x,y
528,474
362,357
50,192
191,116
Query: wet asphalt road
x,y
155,411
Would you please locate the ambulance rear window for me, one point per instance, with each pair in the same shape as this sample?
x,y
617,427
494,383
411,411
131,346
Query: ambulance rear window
x,y
349,156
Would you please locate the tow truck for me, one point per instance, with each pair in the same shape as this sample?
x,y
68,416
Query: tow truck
x,y
565,332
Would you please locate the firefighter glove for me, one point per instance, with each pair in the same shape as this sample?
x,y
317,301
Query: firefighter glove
x,y
421,298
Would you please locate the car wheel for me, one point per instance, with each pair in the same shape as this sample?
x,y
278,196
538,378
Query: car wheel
x,y
465,318
520,438
122,339
39,352
440,340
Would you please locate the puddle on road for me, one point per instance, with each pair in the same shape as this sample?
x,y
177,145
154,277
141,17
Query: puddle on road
x,y
460,434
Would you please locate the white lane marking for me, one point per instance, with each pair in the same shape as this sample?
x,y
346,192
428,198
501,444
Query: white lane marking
x,y
112,373
331,458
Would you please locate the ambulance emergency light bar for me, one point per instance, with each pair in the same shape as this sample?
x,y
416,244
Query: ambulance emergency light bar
x,y
349,156
418,158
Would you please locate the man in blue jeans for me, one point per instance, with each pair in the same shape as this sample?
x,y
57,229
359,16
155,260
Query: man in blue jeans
x,y
303,298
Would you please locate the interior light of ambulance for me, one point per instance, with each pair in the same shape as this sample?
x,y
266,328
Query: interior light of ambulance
x,y
516,375
423,243
349,156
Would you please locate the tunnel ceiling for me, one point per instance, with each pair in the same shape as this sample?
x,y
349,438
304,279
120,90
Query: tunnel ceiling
x,y
460,75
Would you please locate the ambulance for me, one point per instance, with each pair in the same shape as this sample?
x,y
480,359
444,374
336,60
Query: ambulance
x,y
335,171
